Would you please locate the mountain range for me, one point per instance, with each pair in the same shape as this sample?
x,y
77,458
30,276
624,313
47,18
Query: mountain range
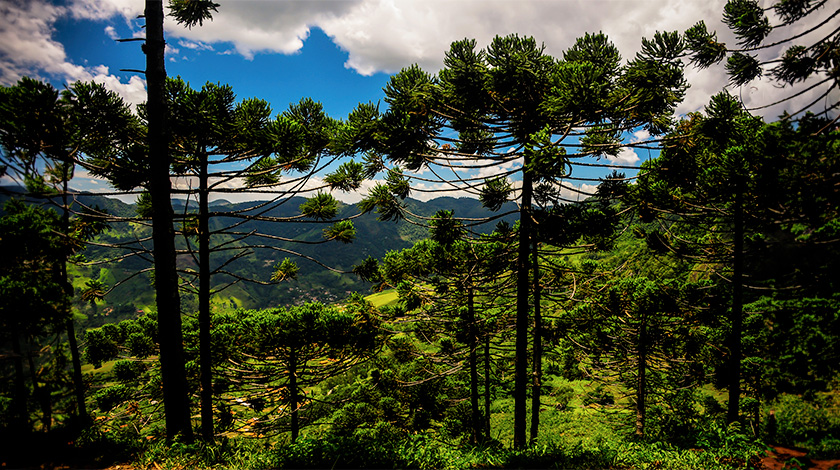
x,y
131,291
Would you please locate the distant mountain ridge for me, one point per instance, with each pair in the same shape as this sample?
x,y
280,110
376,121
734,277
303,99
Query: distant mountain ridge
x,y
373,238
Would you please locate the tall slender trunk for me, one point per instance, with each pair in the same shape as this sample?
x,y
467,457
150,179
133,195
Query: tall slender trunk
x,y
733,409
69,324
487,396
41,394
537,367
21,416
641,378
204,353
476,414
293,401
176,403
523,290
78,381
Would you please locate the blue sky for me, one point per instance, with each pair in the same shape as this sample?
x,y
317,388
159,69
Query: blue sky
x,y
338,52
315,71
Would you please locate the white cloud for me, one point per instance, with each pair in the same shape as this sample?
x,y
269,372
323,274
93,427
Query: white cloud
x,y
26,41
381,35
269,26
105,9
196,46
111,32
387,35
626,156
27,48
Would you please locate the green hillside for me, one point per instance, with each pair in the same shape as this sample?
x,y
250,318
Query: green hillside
x,y
132,291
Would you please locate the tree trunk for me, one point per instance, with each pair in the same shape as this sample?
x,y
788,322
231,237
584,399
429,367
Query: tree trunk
x,y
21,416
537,367
78,382
205,351
176,403
733,409
41,394
487,388
293,399
523,290
476,414
641,378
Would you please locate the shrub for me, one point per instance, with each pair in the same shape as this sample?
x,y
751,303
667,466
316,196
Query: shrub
x,y
109,397
600,396
126,371
799,421
564,394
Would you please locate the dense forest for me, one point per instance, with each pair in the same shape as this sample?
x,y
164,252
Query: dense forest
x,y
681,313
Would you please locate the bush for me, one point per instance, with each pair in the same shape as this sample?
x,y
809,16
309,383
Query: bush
x,y
372,449
457,420
825,448
599,396
564,394
403,348
107,398
799,421
126,371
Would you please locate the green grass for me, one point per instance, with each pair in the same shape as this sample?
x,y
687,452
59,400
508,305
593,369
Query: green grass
x,y
106,367
388,297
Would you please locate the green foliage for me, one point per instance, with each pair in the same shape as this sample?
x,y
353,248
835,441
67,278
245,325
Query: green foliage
x,y
746,18
321,206
564,394
32,297
814,424
495,192
127,371
109,397
192,12
286,270
384,201
343,231
742,68
444,229
284,352
347,177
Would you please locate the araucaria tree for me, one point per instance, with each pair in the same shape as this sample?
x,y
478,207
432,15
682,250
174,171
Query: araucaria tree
x,y
34,301
216,143
532,117
794,43
274,355
176,398
43,135
727,196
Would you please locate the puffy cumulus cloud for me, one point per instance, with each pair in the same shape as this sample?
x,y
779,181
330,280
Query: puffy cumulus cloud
x,y
104,9
629,155
426,191
27,48
234,189
386,35
504,167
272,26
196,46
626,156
26,42
570,192
111,32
